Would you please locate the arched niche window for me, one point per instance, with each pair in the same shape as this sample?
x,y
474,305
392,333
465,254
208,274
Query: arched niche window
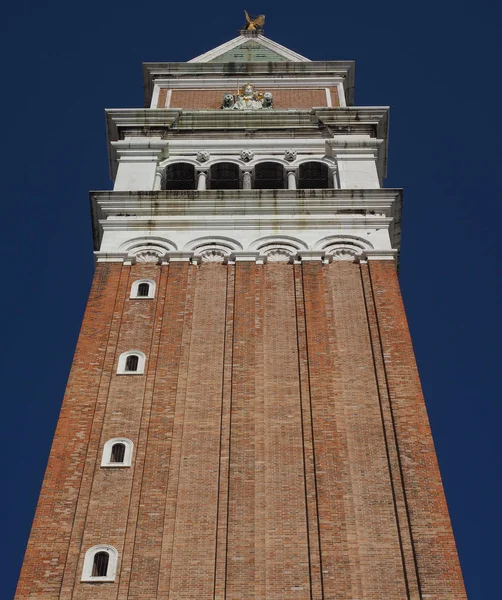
x,y
269,176
224,176
143,288
100,564
117,453
179,176
131,363
313,175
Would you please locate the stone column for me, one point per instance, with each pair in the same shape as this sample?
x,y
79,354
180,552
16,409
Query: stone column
x,y
158,181
201,180
291,179
246,180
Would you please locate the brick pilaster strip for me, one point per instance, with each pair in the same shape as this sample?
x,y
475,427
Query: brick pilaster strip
x,y
45,558
147,521
332,477
438,566
180,391
80,540
309,460
402,517
220,567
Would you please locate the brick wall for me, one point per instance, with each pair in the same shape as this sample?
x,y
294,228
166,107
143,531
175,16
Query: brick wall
x,y
281,443
283,98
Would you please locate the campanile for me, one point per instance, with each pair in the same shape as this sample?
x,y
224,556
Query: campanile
x,y
243,418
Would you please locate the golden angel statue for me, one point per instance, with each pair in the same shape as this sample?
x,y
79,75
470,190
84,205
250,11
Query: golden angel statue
x,y
254,24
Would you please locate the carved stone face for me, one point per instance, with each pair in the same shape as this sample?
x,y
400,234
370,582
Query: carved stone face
x,y
290,155
248,91
267,99
228,100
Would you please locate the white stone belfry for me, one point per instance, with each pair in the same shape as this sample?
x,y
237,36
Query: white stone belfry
x,y
297,171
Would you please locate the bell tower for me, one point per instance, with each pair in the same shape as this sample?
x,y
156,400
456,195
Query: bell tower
x,y
244,418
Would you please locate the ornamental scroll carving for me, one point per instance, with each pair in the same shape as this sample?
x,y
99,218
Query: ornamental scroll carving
x,y
248,99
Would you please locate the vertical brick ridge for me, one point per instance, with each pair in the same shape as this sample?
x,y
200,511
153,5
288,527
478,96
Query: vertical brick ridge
x,y
220,565
260,577
113,493
50,535
145,468
401,509
285,511
197,499
74,557
180,390
375,545
438,566
330,457
242,485
313,526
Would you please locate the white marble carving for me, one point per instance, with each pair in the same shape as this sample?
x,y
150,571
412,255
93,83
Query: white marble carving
x,y
213,256
203,156
228,102
248,99
148,256
344,254
278,255
247,155
290,155
344,247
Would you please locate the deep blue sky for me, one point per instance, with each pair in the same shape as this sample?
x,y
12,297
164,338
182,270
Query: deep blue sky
x,y
433,62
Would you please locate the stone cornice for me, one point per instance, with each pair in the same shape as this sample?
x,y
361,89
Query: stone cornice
x,y
336,122
231,83
248,209
297,257
354,119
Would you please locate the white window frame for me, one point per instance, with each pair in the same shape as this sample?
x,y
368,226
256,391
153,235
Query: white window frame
x,y
121,367
107,453
135,286
89,563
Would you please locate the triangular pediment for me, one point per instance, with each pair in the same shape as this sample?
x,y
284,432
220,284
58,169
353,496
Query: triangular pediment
x,y
250,49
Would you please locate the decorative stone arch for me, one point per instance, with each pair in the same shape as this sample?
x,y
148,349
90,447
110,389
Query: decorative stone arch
x,y
106,460
343,247
270,159
213,249
87,571
224,159
122,366
180,159
329,162
278,249
147,250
